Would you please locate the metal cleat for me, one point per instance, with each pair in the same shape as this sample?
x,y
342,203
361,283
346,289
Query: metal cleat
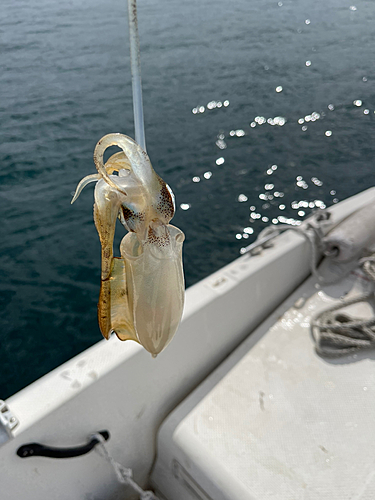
x,y
7,423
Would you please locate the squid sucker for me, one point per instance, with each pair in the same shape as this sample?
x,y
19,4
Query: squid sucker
x,y
142,292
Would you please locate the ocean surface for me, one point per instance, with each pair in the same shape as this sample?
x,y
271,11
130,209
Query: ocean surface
x,y
256,112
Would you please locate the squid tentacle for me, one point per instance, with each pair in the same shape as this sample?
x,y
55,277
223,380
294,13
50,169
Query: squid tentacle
x,y
82,184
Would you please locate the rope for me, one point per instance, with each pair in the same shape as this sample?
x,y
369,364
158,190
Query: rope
x,y
334,333
368,266
337,334
313,233
123,474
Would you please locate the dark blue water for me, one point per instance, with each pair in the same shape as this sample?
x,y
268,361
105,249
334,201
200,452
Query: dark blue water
x,y
65,82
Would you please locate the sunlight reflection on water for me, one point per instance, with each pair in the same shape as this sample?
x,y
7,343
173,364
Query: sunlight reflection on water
x,y
255,115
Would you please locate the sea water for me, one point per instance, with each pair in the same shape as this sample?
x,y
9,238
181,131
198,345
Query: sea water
x,y
256,113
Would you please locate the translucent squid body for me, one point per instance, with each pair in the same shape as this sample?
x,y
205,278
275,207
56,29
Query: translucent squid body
x,y
142,292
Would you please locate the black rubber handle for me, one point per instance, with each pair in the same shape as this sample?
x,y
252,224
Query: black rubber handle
x,y
40,450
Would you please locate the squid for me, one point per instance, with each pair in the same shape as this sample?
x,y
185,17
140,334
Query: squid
x,y
142,292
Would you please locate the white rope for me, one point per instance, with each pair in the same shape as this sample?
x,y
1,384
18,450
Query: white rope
x,y
337,334
123,474
313,233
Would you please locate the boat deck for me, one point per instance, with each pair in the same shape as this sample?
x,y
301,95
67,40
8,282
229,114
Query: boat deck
x,y
275,420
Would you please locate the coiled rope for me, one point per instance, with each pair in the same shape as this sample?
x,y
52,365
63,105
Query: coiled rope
x,y
336,333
